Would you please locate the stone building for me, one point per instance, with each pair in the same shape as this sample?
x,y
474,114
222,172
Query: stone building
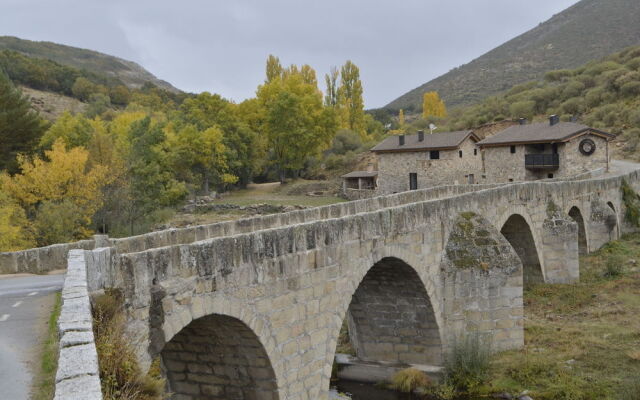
x,y
360,184
409,162
553,149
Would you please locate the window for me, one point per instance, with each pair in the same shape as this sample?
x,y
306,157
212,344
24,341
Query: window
x,y
554,148
434,155
550,176
413,181
510,179
484,177
513,149
475,152
460,153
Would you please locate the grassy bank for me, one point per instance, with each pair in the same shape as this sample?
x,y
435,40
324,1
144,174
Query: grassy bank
x,y
44,387
582,341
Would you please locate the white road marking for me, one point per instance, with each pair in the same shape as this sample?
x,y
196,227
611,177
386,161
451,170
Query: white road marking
x,y
33,293
17,304
4,317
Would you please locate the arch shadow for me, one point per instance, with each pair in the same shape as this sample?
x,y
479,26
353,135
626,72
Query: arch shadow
x,y
518,233
218,357
576,215
391,317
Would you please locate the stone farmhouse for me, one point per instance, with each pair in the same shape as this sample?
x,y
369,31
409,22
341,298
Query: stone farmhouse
x,y
527,152
522,152
411,162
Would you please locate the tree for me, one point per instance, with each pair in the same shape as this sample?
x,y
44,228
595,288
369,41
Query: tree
x,y
83,89
331,95
20,126
433,106
296,123
203,153
120,95
74,130
15,229
401,118
350,96
62,176
274,68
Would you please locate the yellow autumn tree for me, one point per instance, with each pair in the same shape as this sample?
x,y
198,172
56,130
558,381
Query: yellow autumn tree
x,y
401,118
15,229
60,192
433,106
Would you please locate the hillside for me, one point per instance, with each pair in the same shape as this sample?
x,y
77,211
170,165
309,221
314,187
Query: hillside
x,y
589,30
130,73
51,105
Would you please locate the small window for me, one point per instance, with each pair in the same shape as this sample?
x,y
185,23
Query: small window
x,y
434,155
413,181
484,177
475,152
513,149
550,176
460,153
510,179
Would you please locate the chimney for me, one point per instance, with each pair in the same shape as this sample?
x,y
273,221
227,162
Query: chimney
x,y
553,120
420,136
401,140
522,121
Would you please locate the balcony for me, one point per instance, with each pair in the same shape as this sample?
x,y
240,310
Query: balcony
x,y
542,161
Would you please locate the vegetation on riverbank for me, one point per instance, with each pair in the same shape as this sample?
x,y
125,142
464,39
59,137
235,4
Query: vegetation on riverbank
x,y
120,374
44,387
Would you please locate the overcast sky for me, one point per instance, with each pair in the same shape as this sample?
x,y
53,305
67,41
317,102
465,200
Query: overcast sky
x,y
221,45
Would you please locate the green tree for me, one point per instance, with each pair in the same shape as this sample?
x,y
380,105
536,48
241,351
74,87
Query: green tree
x,y
74,130
83,89
331,95
350,96
297,125
274,68
20,126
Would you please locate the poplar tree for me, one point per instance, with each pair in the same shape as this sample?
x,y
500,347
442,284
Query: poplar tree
x,y
331,95
20,126
274,68
433,106
350,97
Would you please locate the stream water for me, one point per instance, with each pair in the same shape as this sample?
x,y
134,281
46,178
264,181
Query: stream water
x,y
365,391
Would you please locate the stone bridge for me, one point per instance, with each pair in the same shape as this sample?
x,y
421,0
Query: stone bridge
x,y
253,309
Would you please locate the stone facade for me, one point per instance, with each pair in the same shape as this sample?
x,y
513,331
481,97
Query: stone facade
x,y
450,169
279,294
500,165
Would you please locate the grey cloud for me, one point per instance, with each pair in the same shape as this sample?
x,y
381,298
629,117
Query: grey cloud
x,y
221,46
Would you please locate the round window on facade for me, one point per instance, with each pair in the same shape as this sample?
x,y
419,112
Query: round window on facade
x,y
587,147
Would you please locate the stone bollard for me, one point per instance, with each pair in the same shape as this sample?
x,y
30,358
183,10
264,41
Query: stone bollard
x,y
101,241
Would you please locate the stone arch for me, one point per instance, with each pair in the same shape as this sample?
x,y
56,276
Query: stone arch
x,y
391,317
617,219
218,357
576,215
518,233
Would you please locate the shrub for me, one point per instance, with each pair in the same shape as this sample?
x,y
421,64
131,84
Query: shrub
x,y
409,380
614,265
632,204
467,364
120,373
630,89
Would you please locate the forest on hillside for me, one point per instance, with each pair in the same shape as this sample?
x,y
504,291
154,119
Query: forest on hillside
x,y
117,167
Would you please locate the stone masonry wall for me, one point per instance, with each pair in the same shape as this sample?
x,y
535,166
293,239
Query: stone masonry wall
x,y
77,377
218,358
482,281
292,286
450,169
41,259
391,318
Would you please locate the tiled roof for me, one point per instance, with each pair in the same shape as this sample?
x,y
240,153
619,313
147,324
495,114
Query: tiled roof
x,y
361,174
436,141
539,133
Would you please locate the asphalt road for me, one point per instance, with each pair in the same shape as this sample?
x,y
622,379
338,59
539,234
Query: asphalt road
x,y
25,306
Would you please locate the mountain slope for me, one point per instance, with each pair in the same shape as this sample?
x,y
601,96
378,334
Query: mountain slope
x,y
130,73
588,30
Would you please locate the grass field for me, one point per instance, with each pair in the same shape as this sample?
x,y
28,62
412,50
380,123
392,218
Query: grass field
x,y
275,194
582,341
